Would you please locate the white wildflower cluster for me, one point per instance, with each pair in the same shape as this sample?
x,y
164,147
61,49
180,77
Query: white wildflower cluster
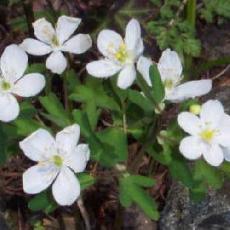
x,y
59,158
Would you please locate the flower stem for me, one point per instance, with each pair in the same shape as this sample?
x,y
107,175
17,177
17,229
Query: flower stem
x,y
48,87
84,213
145,89
191,19
65,89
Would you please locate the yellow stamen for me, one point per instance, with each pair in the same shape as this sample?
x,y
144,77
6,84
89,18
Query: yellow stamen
x,y
121,55
207,134
5,85
57,160
168,83
55,41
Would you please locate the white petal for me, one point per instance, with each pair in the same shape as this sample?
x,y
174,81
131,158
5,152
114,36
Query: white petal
x,y
43,30
29,85
56,62
39,146
66,27
212,112
189,122
170,66
190,89
192,147
9,108
78,44
126,77
108,42
78,158
66,188
102,68
226,152
35,47
139,49
37,178
223,135
214,156
14,62
132,34
67,139
143,66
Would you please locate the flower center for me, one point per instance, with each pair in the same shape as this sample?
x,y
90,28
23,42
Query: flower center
x,y
55,42
57,160
207,134
121,55
168,83
5,86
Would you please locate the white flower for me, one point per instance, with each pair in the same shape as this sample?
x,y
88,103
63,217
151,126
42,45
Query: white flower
x,y
120,55
56,41
13,64
58,159
209,133
170,69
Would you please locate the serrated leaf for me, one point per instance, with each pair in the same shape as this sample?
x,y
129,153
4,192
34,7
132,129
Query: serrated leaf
x,y
116,138
207,174
56,111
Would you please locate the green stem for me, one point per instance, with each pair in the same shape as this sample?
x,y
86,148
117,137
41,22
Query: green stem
x,y
145,89
148,140
65,89
48,87
191,13
191,19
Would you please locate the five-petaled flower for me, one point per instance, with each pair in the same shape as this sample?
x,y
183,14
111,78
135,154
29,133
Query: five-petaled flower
x,y
13,64
209,133
120,55
58,159
56,41
170,69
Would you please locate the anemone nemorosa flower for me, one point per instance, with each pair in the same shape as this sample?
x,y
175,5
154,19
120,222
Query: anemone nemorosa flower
x,y
58,159
56,40
13,64
170,69
120,55
209,133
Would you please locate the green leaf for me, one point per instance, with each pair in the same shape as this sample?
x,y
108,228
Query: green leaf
x,y
101,152
180,171
94,92
158,90
116,138
130,192
25,127
142,180
207,174
42,202
86,180
137,98
55,109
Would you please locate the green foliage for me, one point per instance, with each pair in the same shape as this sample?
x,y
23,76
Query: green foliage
x,y
42,202
212,8
86,180
131,191
158,89
55,109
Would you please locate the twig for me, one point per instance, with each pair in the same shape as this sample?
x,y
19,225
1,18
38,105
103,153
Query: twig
x,y
84,213
180,9
221,73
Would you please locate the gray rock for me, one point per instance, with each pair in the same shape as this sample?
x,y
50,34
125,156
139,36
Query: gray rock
x,y
213,213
